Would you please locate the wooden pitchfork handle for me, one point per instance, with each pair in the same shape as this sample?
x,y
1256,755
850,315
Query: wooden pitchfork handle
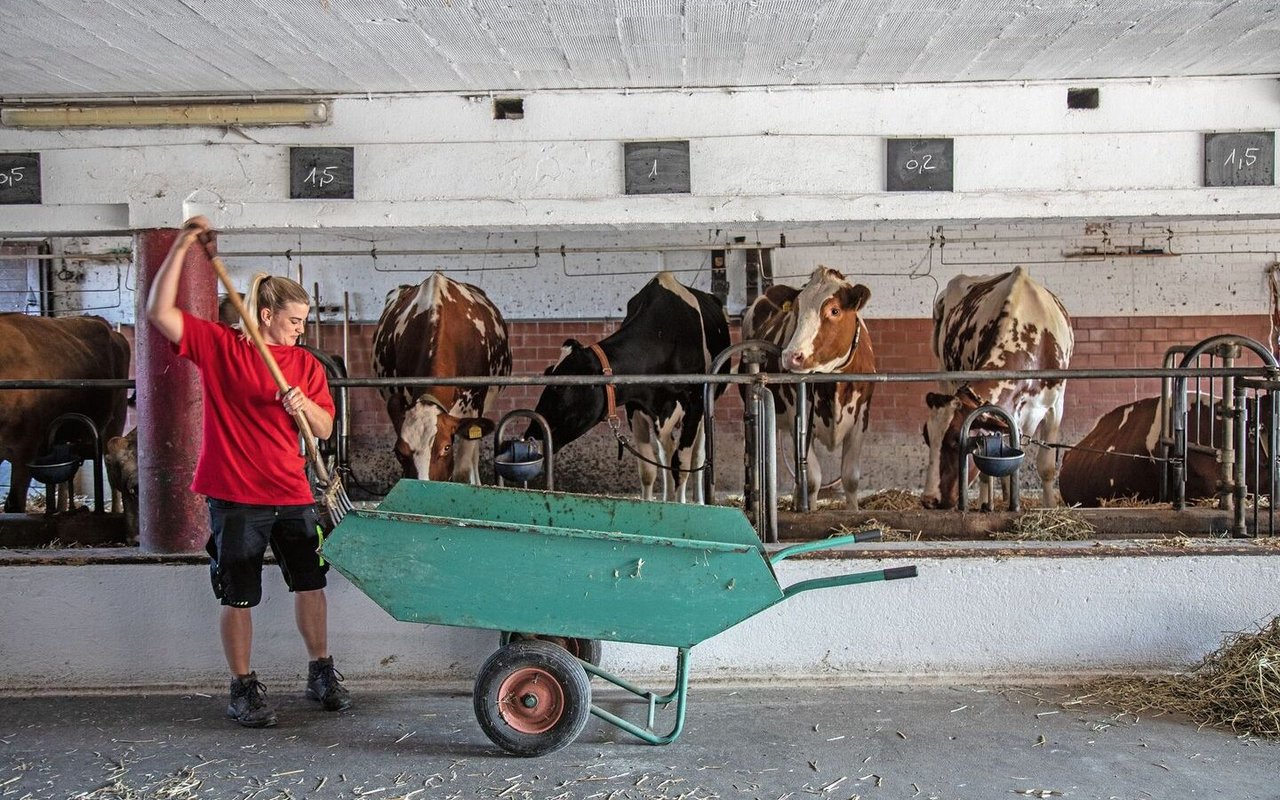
x,y
251,328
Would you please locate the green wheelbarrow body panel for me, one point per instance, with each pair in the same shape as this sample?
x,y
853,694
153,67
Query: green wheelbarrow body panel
x,y
566,565
562,510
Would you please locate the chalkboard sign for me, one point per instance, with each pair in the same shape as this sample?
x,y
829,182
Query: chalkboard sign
x,y
324,173
1240,159
19,178
920,165
656,167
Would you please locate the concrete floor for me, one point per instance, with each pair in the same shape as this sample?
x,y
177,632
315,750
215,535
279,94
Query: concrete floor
x,y
943,743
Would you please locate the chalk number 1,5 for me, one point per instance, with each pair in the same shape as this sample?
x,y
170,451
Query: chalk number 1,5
x,y
321,176
1241,160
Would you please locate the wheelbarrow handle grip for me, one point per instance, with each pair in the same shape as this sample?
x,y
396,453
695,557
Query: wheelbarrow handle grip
x,y
826,544
892,573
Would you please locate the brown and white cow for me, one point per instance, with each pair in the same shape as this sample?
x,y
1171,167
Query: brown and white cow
x,y
1118,457
820,330
440,328
120,455
55,348
1000,322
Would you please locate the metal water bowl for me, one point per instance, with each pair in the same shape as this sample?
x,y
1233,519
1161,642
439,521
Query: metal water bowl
x,y
56,466
996,458
518,461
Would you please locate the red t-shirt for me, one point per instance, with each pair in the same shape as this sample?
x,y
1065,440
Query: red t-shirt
x,y
250,451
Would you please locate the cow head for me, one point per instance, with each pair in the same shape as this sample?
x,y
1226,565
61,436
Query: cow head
x,y
424,447
121,459
570,411
827,323
947,413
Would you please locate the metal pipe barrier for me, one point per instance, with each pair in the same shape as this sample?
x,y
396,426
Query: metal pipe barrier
x,y
1226,347
1256,378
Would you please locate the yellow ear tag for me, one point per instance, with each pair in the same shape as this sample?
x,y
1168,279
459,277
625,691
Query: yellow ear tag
x,y
786,307
475,432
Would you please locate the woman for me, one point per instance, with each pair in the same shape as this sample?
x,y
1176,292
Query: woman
x,y
252,471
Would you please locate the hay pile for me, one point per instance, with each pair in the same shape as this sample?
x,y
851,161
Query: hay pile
x,y
890,500
1236,687
1131,501
1048,524
887,534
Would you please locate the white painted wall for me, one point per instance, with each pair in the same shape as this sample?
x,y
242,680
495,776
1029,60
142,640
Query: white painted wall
x,y
1220,267
104,625
438,172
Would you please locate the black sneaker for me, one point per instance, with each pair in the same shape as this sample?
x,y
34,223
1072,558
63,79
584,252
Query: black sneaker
x,y
249,703
324,683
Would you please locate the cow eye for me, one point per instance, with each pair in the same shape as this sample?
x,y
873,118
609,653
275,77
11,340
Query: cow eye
x,y
833,312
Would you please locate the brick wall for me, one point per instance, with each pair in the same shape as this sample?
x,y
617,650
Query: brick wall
x,y
903,345
893,454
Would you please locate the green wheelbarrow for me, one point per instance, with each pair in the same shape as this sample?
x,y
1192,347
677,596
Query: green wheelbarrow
x,y
575,569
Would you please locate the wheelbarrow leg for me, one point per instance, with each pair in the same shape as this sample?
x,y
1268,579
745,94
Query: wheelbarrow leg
x,y
679,695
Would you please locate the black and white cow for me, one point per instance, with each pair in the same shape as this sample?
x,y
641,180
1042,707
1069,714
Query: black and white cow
x,y
669,329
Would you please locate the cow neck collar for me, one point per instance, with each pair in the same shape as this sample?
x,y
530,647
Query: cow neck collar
x,y
853,349
610,397
433,400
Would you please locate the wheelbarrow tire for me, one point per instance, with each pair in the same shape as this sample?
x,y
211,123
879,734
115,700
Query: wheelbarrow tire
x,y
589,650
532,698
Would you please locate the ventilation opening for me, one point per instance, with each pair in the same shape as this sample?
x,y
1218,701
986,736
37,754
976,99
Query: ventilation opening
x,y
508,108
1082,98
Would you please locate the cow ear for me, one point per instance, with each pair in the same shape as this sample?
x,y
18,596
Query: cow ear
x,y
853,298
473,428
571,344
937,400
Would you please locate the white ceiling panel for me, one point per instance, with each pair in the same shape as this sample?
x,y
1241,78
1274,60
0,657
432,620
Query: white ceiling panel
x,y
155,48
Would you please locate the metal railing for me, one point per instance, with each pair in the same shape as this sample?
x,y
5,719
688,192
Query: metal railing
x,y
1257,382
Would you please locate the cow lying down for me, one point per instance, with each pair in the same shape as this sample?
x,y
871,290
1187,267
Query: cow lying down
x,y
1118,457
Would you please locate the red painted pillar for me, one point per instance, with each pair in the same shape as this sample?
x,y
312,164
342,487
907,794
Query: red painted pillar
x,y
171,518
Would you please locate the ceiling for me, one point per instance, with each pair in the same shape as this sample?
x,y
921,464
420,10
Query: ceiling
x,y
63,49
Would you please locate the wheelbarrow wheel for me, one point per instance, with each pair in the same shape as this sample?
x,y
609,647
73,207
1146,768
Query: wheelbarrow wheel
x,y
588,650
532,698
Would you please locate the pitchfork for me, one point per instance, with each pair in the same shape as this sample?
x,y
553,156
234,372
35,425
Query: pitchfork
x,y
333,500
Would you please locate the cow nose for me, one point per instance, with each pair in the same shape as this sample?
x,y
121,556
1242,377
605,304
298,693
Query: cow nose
x,y
792,359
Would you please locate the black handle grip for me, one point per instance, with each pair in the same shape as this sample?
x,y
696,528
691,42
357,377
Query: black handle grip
x,y
870,535
894,573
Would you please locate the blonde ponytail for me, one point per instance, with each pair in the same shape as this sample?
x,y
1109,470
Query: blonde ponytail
x,y
273,292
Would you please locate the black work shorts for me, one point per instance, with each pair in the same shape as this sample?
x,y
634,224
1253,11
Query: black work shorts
x,y
240,537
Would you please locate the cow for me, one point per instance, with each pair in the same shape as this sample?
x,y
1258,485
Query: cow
x,y
1118,457
820,330
440,328
669,329
1000,322
51,348
121,459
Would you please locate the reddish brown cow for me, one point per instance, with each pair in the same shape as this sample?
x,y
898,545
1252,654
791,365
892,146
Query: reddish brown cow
x,y
821,330
1117,458
440,328
1001,322
49,348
